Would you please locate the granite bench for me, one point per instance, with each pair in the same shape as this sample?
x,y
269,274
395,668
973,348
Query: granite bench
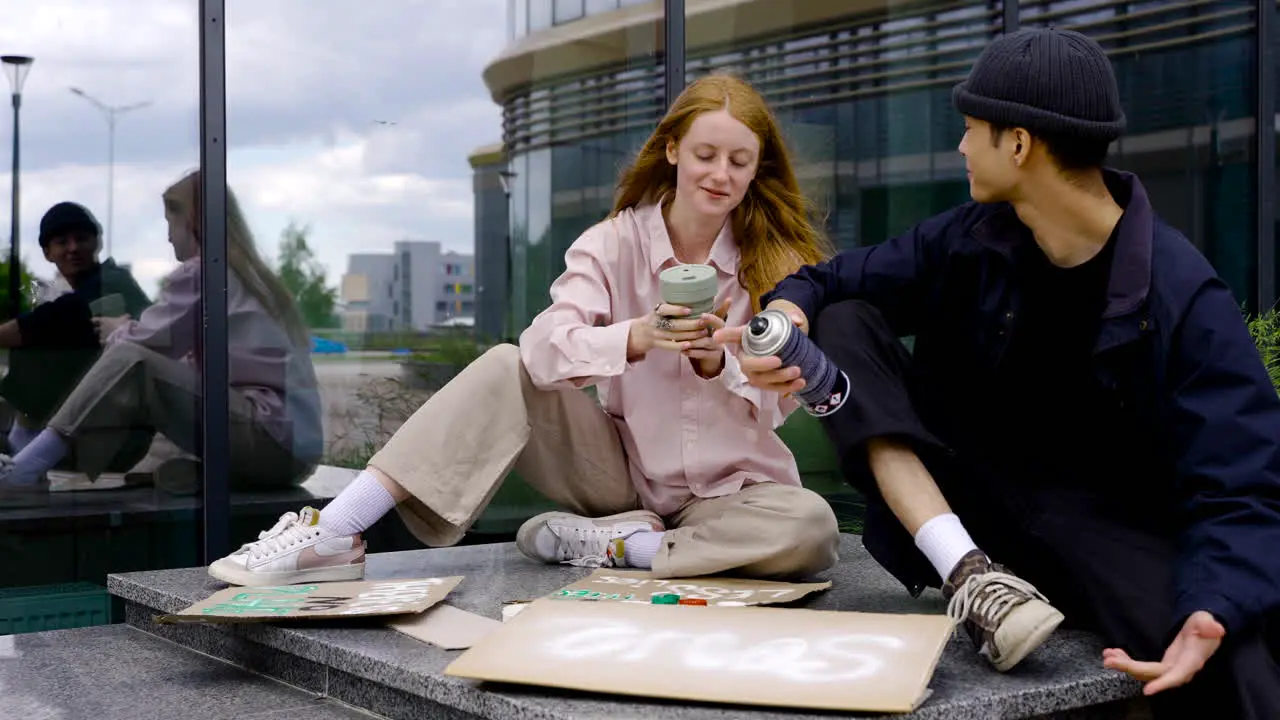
x,y
386,672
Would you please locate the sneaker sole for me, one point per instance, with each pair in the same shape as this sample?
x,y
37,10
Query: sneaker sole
x,y
229,573
1033,640
524,536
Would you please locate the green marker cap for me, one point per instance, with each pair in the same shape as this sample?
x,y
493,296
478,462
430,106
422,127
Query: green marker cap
x,y
693,286
667,599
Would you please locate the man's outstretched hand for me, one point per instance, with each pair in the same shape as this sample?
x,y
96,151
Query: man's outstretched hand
x,y
1199,639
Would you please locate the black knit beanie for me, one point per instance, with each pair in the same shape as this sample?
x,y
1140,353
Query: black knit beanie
x,y
67,217
1047,81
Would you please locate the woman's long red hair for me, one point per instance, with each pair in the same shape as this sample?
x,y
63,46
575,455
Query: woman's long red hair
x,y
772,223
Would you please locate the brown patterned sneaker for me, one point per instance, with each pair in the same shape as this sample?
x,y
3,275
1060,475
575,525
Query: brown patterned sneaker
x,y
1006,617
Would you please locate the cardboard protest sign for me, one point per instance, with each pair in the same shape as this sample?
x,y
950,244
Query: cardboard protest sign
x,y
811,659
446,627
640,586
317,601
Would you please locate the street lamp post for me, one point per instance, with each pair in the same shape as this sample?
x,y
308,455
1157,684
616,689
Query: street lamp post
x,y
16,68
110,112
507,178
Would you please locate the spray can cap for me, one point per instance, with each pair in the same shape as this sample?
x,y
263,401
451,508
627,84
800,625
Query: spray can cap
x,y
767,333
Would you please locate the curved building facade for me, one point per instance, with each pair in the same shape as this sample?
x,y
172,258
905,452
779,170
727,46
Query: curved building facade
x,y
863,90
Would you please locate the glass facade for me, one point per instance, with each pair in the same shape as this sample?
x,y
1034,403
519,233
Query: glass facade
x,y
864,98
530,16
865,102
105,139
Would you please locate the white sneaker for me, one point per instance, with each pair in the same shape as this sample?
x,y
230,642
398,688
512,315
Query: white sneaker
x,y
296,550
560,537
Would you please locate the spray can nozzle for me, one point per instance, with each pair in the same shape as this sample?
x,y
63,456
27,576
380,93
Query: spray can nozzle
x,y
758,326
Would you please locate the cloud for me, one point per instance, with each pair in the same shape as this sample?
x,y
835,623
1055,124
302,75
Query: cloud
x,y
307,84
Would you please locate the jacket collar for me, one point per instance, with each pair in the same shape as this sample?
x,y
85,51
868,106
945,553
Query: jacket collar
x,y
724,251
1130,279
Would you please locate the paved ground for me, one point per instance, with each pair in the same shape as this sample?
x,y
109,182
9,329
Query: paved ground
x,y
364,402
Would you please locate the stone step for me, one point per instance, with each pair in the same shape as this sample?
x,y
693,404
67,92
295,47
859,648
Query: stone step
x,y
115,672
367,665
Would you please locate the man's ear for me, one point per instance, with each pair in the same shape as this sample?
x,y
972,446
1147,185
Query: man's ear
x,y
1022,141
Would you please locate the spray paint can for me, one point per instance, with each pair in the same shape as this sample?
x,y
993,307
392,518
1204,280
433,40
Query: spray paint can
x,y
771,332
767,333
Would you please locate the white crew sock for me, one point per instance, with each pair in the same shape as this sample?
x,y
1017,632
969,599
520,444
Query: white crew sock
x,y
944,541
357,507
38,457
639,548
20,437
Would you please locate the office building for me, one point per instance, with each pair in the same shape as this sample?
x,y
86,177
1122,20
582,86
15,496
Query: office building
x,y
416,286
863,92
365,293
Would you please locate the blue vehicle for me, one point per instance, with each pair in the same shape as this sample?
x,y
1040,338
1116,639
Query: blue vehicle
x,y
325,346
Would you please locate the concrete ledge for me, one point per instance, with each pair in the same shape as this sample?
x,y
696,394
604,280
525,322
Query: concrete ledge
x,y
398,673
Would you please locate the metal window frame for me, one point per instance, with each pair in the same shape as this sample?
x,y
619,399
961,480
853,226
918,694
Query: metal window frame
x,y
1265,152
673,47
1011,16
215,418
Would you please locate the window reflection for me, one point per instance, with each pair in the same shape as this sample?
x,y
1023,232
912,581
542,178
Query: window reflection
x,y
97,474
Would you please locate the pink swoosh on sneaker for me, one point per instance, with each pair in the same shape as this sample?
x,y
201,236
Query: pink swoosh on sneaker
x,y
309,559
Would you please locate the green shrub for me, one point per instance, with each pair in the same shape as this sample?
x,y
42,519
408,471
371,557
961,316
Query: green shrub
x,y
1265,329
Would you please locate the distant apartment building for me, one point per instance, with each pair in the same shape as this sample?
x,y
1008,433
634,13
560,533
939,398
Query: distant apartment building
x,y
456,284
365,293
415,286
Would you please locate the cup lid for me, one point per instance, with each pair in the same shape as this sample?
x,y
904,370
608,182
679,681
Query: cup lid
x,y
685,284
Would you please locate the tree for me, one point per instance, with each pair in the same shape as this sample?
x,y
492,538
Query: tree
x,y
304,276
27,283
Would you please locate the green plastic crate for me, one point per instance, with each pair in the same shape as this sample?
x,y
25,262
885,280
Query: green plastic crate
x,y
53,607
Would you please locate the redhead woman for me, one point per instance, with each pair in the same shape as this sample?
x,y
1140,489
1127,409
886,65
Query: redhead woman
x,y
677,467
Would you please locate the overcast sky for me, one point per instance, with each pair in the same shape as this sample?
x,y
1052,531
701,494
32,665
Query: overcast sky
x,y
307,83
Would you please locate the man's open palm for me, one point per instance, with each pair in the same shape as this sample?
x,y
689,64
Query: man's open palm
x,y
1198,640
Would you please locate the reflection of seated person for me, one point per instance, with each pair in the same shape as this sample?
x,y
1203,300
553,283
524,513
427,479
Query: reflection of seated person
x,y
52,346
148,377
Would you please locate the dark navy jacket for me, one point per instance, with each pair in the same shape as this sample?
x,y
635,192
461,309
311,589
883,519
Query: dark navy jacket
x,y
1173,344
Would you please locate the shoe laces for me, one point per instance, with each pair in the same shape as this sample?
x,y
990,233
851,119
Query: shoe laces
x,y
584,546
990,596
286,533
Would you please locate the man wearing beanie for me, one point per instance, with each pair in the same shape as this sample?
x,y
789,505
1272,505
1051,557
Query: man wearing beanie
x,y
52,346
1083,403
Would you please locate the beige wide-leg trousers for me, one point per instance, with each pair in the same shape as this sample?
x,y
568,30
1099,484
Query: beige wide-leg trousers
x,y
454,452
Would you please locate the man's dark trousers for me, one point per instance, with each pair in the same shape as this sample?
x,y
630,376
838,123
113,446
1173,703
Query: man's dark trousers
x,y
1104,573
